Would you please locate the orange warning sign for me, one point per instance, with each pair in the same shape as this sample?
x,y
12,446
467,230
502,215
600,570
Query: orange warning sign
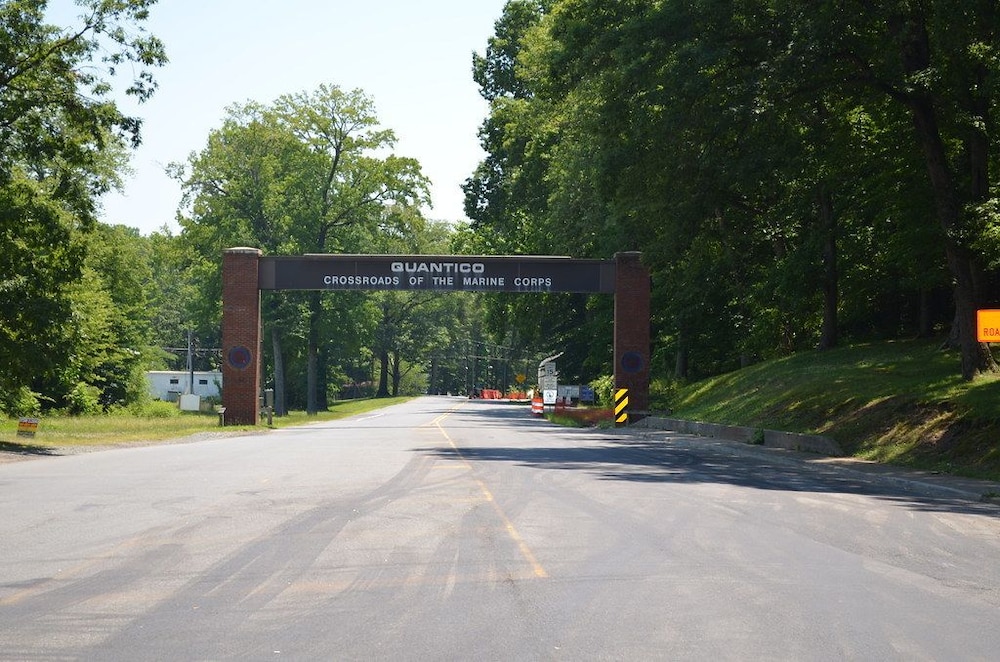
x,y
27,427
988,325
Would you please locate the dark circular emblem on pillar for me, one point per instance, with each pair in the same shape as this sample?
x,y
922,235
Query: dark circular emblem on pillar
x,y
239,357
632,362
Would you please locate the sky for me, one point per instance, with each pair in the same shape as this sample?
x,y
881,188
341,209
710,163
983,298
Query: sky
x,y
414,59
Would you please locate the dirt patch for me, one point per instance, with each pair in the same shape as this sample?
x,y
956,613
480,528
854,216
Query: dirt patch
x,y
587,417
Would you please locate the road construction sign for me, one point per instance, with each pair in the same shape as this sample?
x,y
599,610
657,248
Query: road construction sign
x,y
988,325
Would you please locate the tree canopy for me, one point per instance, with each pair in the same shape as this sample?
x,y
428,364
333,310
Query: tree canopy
x,y
305,174
794,175
63,142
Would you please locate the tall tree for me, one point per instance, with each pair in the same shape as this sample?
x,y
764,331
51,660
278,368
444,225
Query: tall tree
x,y
350,183
768,146
241,191
62,143
111,329
305,174
947,74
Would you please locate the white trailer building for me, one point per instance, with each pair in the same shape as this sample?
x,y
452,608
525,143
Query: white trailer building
x,y
169,385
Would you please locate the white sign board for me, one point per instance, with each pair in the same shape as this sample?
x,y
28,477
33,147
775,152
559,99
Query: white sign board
x,y
549,396
190,402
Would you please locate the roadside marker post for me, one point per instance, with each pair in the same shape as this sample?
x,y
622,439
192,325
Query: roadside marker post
x,y
537,408
621,407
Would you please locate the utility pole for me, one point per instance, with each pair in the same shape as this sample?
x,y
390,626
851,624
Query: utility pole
x,y
190,388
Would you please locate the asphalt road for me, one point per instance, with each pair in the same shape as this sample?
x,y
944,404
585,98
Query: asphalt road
x,y
446,529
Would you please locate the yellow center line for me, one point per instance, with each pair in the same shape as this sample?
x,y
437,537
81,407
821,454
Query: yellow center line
x,y
437,421
512,531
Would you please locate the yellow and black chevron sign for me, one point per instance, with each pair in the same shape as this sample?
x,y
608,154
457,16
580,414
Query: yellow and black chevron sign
x,y
621,406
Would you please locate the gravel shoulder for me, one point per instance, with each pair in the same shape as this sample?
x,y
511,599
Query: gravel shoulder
x,y
17,452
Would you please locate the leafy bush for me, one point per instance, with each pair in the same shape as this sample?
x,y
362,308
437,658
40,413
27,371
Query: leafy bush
x,y
156,409
84,400
147,409
604,390
20,401
663,394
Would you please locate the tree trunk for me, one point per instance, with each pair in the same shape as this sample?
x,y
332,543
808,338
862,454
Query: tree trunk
x,y
397,377
383,375
976,358
322,380
831,292
681,366
315,304
280,408
925,325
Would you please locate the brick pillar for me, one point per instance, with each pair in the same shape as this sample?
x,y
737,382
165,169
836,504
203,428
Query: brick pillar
x,y
240,336
632,324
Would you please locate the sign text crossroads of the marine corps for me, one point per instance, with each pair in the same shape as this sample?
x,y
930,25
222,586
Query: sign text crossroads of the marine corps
x,y
438,272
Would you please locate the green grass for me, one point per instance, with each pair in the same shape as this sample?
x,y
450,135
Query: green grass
x,y
55,432
898,402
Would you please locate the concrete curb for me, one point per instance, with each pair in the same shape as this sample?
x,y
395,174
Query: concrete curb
x,y
807,443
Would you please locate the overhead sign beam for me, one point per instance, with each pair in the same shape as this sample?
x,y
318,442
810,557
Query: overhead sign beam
x,y
451,273
245,272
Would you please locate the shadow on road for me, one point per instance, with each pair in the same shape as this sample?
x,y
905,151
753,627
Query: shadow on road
x,y
688,462
27,449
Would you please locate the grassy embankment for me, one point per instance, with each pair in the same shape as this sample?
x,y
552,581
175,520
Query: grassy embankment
x,y
70,432
901,402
